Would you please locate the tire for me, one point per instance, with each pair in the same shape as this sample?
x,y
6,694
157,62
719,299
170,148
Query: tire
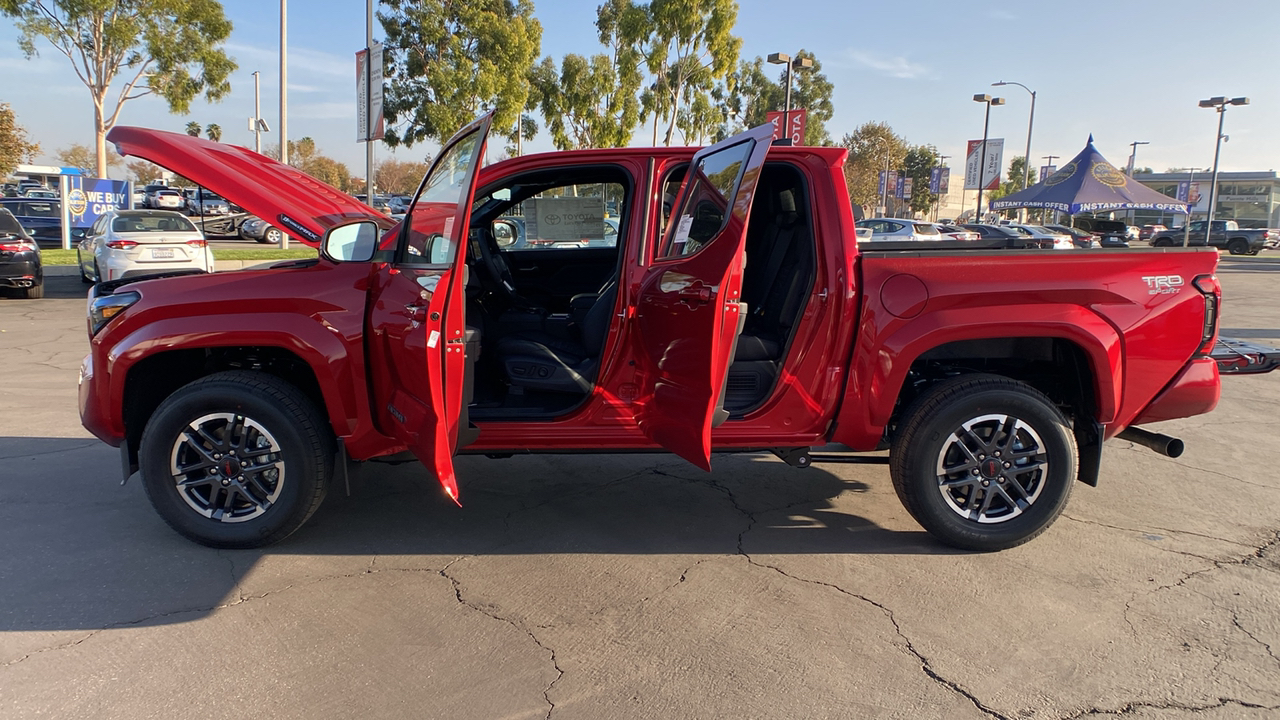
x,y
35,292
272,236
80,267
1238,246
216,502
961,418
97,272
1164,242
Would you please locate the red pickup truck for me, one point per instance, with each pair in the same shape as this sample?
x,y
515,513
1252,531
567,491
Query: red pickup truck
x,y
749,322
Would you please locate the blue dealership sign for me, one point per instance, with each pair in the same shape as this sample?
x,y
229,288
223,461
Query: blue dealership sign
x,y
884,177
90,198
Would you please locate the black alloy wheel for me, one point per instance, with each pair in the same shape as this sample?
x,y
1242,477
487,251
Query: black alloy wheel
x,y
984,462
236,459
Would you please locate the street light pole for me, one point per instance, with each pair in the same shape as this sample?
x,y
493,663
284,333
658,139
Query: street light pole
x,y
257,113
1220,103
982,156
1186,226
1048,164
796,64
884,195
1031,118
284,97
936,201
1133,156
368,110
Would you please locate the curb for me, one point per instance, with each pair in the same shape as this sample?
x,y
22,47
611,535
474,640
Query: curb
x,y
218,266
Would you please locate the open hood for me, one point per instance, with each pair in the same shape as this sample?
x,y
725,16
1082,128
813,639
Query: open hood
x,y
281,194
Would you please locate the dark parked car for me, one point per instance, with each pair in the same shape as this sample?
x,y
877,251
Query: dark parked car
x,y
20,268
1110,233
1082,238
998,236
42,219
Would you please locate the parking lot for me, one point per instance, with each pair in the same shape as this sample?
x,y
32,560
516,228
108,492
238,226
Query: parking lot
x,y
637,586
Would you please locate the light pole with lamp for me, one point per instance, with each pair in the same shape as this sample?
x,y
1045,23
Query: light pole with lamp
x,y
1186,225
1220,103
884,195
982,156
1133,156
796,64
937,201
1048,164
1031,118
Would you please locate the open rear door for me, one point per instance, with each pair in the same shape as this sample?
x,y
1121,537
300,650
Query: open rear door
x,y
689,312
417,333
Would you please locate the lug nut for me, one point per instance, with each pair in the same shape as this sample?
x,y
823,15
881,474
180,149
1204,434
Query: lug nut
x,y
986,483
225,482
1008,465
975,471
997,453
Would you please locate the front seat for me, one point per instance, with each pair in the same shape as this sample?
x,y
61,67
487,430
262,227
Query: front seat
x,y
541,361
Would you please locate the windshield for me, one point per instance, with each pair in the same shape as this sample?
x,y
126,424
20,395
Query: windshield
x,y
152,223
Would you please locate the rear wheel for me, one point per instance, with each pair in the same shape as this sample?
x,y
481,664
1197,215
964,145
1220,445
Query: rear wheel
x,y
236,460
1164,242
84,278
272,236
984,462
35,292
1238,246
97,272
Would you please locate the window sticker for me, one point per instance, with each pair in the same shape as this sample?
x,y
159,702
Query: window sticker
x,y
682,230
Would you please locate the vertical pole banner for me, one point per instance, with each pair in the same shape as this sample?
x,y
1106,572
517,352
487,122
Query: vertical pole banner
x,y
775,118
897,192
935,177
907,185
944,180
362,96
883,179
893,181
377,121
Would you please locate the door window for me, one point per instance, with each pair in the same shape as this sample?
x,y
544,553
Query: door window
x,y
436,207
563,217
706,204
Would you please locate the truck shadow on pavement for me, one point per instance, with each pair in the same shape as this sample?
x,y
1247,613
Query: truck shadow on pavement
x,y
84,553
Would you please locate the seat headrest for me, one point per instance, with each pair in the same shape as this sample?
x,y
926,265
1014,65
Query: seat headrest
x,y
787,201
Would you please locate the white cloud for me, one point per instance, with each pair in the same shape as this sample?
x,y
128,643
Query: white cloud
x,y
893,66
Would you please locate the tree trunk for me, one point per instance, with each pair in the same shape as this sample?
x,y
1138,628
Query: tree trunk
x,y
100,137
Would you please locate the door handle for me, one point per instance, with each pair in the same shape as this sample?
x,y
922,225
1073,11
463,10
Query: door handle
x,y
416,312
700,294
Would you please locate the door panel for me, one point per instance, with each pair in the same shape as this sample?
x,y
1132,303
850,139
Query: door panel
x,y
417,320
689,312
550,278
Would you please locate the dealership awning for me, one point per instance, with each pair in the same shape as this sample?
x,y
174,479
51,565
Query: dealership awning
x,y
1089,184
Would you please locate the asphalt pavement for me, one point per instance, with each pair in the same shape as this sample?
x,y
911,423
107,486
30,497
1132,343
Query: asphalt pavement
x,y
637,586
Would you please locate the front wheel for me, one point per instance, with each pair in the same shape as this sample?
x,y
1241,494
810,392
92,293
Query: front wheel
x,y
236,460
1164,242
272,236
984,462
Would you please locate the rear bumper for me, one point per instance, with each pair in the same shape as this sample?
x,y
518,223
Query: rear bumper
x,y
1194,391
21,274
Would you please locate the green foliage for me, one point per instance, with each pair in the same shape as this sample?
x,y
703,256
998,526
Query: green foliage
x,y
83,157
574,98
868,147
447,63
918,165
1013,182
14,147
171,48
213,132
687,46
193,129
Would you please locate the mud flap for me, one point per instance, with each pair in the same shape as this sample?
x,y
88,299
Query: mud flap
x,y
1089,444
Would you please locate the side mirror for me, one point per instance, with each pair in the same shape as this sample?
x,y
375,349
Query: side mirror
x,y
354,242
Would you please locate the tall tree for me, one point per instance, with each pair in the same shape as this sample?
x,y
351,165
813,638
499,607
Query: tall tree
x,y
398,176
14,146
143,171
214,132
83,157
687,45
574,102
171,48
918,164
194,129
446,62
868,147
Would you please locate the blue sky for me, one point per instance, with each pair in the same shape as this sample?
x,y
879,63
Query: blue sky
x,y
1123,70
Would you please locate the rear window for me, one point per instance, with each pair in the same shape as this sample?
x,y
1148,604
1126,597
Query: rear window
x,y
151,223
36,209
926,229
8,224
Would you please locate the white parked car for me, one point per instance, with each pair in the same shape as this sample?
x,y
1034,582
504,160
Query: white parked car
x,y
167,200
1045,237
900,229
127,243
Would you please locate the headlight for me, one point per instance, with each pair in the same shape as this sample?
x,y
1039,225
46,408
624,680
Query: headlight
x,y
103,309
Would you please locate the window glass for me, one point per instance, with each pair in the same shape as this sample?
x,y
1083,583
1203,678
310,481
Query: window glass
x,y
152,223
587,215
431,233
40,209
709,199
926,229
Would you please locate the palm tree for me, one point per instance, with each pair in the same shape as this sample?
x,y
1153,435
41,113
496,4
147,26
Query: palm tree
x,y
193,129
213,132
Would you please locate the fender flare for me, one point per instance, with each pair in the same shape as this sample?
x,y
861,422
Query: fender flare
x,y
1099,340
320,347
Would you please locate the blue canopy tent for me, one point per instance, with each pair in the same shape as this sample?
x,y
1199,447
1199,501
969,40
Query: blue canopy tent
x,y
1089,184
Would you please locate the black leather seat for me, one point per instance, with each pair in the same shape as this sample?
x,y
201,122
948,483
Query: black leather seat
x,y
540,361
772,284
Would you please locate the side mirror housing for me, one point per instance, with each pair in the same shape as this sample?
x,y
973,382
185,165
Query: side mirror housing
x,y
353,242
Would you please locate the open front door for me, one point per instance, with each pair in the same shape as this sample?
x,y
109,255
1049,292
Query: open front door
x,y
689,313
417,333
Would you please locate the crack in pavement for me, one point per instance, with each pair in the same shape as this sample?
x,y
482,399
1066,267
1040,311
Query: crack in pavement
x,y
1153,528
457,592
23,456
925,665
1136,706
1171,461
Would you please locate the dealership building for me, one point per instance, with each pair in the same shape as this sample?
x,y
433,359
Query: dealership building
x,y
1250,198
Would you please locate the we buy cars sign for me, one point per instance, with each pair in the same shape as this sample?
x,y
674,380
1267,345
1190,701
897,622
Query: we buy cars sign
x,y
990,173
796,119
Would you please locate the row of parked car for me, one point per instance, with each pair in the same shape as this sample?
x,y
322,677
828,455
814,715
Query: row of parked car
x,y
1006,235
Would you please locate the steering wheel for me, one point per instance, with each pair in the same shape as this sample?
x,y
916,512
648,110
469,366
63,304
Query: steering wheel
x,y
496,271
